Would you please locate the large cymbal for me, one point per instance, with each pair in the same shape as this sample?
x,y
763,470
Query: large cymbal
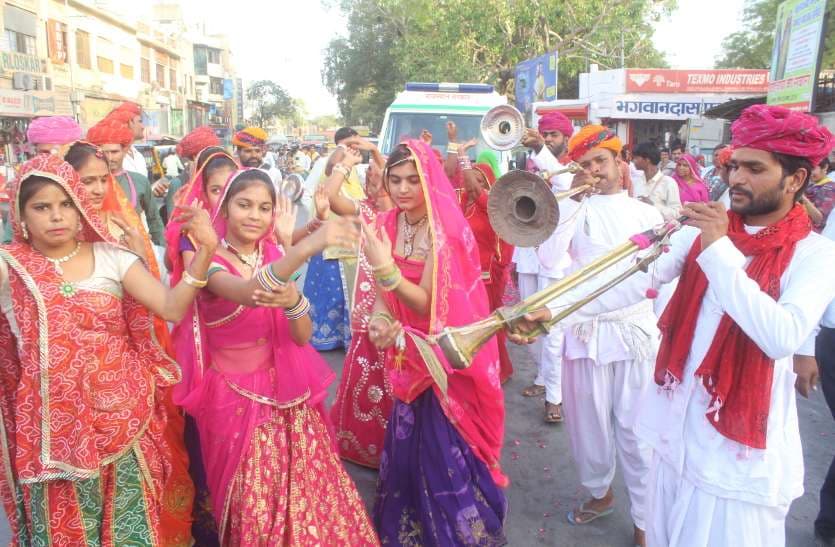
x,y
522,209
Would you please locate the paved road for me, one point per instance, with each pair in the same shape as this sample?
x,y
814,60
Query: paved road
x,y
544,485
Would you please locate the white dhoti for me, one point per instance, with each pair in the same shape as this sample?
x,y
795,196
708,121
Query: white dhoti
x,y
550,356
600,403
679,514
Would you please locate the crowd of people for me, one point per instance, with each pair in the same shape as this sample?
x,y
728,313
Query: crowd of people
x,y
160,374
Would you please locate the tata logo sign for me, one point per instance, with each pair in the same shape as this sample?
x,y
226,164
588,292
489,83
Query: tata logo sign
x,y
19,62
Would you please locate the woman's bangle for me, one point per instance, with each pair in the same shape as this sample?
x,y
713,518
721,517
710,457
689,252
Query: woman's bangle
x,y
384,267
298,311
452,148
383,316
390,280
268,280
192,281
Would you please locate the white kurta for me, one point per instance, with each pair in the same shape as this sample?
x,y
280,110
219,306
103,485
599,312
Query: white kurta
x,y
135,162
674,423
662,191
607,364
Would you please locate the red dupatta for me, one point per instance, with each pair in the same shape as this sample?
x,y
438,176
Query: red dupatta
x,y
474,401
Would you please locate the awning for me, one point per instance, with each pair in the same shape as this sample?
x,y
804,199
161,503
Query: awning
x,y
730,110
572,112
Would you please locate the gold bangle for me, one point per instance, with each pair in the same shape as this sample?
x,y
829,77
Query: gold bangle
x,y
381,315
385,266
192,281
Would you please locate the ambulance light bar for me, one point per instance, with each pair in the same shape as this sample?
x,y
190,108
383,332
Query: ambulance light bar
x,y
445,87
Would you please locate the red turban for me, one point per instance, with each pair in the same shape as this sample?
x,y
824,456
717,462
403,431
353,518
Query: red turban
x,y
192,144
110,131
780,130
556,121
590,137
723,157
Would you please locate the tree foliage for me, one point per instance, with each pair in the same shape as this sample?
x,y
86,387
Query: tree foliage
x,y
751,46
390,42
271,103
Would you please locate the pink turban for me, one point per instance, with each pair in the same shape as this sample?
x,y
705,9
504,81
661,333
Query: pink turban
x,y
53,130
556,121
780,130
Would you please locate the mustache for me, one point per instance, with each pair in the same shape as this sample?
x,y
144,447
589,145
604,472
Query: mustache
x,y
746,193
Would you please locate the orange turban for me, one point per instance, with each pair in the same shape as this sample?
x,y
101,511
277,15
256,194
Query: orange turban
x,y
250,137
110,131
590,137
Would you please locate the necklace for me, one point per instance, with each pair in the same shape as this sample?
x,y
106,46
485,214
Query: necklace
x,y
250,260
56,262
410,231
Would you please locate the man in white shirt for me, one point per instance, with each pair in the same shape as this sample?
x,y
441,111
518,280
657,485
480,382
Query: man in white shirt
x,y
824,351
723,425
661,190
172,165
607,361
301,161
542,266
251,145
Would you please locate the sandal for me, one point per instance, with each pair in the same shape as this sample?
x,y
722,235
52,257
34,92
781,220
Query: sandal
x,y
553,413
573,515
533,390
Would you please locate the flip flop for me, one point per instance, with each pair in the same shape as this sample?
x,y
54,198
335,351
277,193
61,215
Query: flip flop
x,y
572,515
533,391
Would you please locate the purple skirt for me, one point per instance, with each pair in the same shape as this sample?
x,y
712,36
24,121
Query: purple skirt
x,y
432,490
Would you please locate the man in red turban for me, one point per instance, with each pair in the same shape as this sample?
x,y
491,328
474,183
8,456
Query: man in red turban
x,y
187,149
114,138
535,269
723,423
130,114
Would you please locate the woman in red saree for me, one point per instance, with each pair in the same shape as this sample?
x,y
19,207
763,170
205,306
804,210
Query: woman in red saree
x,y
124,225
256,388
81,368
440,476
363,402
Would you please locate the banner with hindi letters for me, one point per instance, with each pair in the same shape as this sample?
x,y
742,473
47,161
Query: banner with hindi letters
x,y
659,106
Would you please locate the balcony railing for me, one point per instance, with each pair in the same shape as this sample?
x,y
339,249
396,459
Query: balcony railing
x,y
825,95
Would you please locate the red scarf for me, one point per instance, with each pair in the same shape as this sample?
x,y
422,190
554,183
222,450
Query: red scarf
x,y
735,371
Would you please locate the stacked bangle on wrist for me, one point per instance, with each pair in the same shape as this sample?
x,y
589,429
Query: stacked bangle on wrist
x,y
452,148
268,280
383,316
192,281
299,310
388,277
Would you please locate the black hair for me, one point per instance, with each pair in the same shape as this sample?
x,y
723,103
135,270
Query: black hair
x,y
790,166
824,164
400,153
216,164
647,150
80,153
204,154
718,147
248,179
343,133
677,146
31,186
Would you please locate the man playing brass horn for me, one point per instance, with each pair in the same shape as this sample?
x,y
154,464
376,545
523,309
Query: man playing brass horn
x,y
607,362
723,422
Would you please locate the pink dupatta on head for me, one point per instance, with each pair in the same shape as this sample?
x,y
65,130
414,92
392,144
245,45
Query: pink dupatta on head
x,y
474,402
691,192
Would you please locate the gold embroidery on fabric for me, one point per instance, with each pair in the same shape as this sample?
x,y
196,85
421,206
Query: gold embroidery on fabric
x,y
266,400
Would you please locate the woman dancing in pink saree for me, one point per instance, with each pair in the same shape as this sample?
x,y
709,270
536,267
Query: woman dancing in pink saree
x,y
256,388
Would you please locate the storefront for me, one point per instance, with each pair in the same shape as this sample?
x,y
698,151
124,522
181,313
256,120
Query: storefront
x,y
653,104
17,109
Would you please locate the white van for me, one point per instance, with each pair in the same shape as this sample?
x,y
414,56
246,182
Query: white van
x,y
431,105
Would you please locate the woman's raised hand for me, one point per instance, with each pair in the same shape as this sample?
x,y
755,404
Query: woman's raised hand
x,y
197,225
377,248
338,231
322,203
285,220
131,237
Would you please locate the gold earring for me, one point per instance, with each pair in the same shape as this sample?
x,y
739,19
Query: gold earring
x,y
24,230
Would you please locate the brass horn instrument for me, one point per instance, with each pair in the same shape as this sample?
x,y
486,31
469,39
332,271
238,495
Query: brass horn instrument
x,y
460,344
502,127
522,208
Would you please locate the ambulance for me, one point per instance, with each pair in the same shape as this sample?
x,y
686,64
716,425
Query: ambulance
x,y
431,105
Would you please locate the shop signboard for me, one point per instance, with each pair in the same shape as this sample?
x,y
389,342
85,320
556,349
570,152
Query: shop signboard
x,y
795,56
696,81
658,106
28,104
536,81
11,61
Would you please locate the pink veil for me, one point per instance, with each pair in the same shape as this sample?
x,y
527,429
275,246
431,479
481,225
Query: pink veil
x,y
474,402
303,374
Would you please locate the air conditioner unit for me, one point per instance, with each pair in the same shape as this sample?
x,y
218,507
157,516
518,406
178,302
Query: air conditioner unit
x,y
22,81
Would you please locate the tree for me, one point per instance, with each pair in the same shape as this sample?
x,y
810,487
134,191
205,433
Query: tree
x,y
392,41
271,103
751,47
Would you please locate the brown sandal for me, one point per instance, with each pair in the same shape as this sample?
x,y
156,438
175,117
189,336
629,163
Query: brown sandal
x,y
553,413
533,390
